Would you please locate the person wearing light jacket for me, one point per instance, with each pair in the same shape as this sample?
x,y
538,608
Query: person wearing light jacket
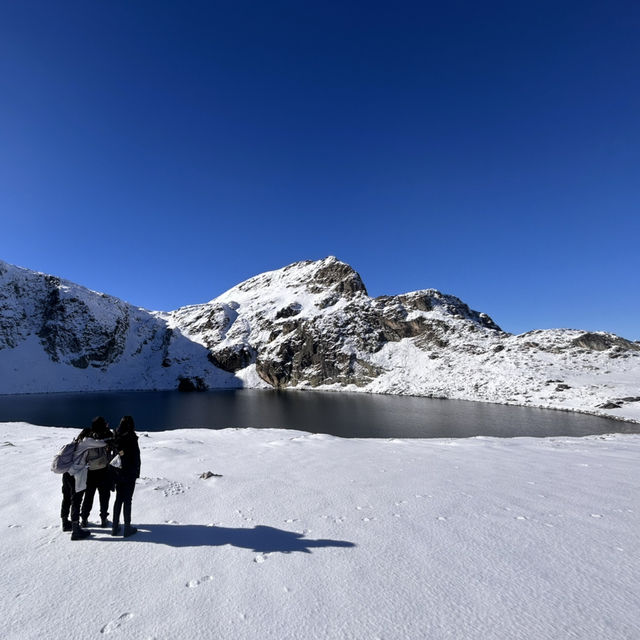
x,y
74,482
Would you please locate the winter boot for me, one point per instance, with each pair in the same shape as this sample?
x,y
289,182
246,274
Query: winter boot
x,y
77,533
104,523
84,523
66,524
128,530
115,529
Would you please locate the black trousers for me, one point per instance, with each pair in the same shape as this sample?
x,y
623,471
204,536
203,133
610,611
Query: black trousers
x,y
99,479
70,499
124,495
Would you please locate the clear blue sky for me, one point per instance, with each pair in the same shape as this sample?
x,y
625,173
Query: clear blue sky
x,y
164,151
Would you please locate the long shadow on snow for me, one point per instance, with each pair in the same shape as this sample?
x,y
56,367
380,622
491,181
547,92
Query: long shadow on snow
x,y
261,538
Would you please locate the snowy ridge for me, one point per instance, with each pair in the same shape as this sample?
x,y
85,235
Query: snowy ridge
x,y
308,325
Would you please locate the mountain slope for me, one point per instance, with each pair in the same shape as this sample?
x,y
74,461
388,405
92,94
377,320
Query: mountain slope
x,y
58,336
308,325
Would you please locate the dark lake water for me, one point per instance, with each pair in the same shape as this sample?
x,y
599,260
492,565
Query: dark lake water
x,y
349,415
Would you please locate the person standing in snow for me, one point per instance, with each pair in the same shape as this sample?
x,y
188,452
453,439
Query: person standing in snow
x,y
98,476
126,444
74,483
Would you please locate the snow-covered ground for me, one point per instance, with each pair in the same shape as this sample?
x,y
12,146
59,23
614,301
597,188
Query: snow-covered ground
x,y
311,536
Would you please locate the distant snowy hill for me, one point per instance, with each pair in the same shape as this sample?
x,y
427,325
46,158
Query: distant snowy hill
x,y
308,325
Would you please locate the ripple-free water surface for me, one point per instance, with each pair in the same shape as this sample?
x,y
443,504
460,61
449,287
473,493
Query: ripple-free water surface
x,y
349,415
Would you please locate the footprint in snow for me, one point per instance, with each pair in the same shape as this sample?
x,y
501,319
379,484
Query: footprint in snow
x,y
117,623
192,584
15,526
260,558
596,515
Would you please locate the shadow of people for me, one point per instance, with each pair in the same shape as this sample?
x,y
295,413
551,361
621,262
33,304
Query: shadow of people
x,y
259,539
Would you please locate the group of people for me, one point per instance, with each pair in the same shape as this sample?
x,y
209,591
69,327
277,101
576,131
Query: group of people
x,y
103,461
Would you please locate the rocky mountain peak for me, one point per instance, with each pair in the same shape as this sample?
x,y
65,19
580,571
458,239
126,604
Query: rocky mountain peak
x,y
329,276
335,276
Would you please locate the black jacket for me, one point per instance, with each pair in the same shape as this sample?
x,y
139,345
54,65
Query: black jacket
x,y
127,446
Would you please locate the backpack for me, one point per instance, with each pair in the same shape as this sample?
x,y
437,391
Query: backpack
x,y
97,458
63,460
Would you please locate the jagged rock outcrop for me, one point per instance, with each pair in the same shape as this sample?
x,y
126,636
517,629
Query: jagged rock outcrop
x,y
604,341
72,332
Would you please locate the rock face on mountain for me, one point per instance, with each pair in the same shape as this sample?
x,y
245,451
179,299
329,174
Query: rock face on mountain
x,y
58,336
312,324
308,325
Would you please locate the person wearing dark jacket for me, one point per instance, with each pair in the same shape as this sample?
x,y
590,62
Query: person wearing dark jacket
x,y
99,476
126,444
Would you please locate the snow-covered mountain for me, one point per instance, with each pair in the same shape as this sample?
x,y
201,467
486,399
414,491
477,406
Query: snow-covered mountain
x,y
308,325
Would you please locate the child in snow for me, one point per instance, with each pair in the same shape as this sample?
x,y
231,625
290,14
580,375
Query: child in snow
x,y
126,444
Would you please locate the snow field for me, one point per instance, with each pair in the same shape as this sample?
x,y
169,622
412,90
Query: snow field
x,y
311,536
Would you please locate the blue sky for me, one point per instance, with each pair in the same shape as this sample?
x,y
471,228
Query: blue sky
x,y
163,152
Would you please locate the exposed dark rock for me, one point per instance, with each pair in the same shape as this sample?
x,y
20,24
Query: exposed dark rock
x,y
338,277
610,405
311,353
603,341
167,335
191,384
433,336
289,311
497,348
396,330
415,301
232,358
430,299
562,387
209,474
329,301
71,333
